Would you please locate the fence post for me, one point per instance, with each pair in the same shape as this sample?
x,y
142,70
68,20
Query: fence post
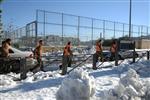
x,y
123,29
44,22
116,54
23,68
36,27
114,29
62,28
103,29
148,55
92,32
78,31
134,52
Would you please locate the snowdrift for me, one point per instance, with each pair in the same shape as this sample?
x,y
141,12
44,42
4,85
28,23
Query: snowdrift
x,y
77,86
130,88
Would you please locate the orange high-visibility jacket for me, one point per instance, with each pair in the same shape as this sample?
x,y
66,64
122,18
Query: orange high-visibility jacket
x,y
98,47
38,51
113,48
67,50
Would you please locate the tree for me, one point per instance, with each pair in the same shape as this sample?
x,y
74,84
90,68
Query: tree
x,y
1,1
0,4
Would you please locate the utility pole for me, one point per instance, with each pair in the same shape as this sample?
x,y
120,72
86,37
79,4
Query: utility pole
x,y
130,10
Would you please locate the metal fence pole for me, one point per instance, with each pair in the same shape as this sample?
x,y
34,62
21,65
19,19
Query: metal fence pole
x,y
36,27
123,29
134,52
101,36
62,27
104,29
116,54
78,30
138,31
147,31
36,32
44,24
148,55
130,18
114,30
26,28
131,30
92,32
141,31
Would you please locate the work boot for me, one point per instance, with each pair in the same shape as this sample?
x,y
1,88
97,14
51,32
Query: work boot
x,y
94,68
63,73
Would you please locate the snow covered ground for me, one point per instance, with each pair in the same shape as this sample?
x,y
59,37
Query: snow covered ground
x,y
109,83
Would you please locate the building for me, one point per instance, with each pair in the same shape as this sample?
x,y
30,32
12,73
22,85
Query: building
x,y
142,44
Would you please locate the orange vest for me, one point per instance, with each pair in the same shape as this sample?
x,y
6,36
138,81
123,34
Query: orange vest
x,y
38,51
113,48
66,50
98,47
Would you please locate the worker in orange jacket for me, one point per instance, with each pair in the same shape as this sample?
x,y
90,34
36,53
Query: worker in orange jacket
x,y
67,58
98,54
113,49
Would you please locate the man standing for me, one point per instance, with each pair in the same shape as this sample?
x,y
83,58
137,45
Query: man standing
x,y
98,54
67,58
38,56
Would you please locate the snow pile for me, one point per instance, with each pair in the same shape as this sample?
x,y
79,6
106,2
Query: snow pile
x,y
142,68
77,86
40,76
6,80
130,88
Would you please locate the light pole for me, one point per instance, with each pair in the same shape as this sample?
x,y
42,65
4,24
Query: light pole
x,y
130,10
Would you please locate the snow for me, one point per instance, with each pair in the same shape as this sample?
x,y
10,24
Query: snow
x,y
130,87
117,83
5,81
78,86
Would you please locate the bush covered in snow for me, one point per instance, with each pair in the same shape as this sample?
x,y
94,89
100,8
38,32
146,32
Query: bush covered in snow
x,y
130,88
77,86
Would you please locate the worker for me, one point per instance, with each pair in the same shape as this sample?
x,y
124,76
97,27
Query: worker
x,y
6,45
38,56
67,58
113,49
98,55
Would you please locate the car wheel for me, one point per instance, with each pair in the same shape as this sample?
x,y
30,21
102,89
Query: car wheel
x,y
136,55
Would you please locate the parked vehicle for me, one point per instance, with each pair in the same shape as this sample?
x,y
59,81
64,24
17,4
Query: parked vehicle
x,y
127,54
123,54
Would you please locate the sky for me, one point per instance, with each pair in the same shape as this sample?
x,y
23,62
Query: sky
x,y
21,12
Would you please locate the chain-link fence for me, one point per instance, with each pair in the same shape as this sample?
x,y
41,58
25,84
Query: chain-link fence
x,y
58,28
24,36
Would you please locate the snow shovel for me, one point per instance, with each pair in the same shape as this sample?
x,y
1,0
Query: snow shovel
x,y
78,64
